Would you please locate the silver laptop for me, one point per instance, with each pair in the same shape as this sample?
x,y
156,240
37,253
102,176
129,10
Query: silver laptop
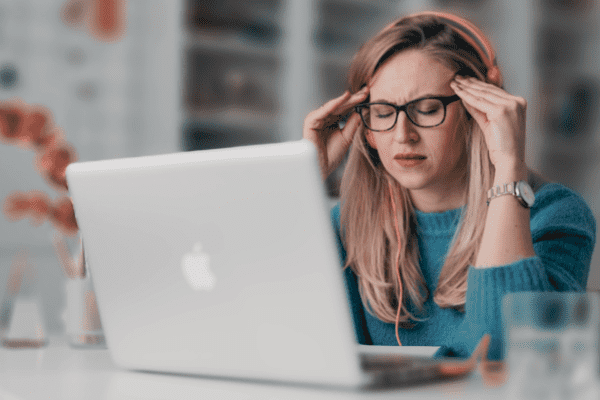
x,y
223,263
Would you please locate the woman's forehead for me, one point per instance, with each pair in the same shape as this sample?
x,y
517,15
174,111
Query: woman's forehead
x,y
409,75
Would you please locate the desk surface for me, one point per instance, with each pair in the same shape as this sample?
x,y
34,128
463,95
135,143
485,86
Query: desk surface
x,y
58,371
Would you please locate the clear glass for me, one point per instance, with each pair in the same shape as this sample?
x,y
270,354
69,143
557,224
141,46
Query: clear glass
x,y
551,344
83,326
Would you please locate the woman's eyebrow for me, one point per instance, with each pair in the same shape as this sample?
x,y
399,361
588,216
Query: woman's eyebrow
x,y
423,96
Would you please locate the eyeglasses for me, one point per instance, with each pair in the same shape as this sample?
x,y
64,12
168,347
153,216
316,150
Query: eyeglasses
x,y
426,112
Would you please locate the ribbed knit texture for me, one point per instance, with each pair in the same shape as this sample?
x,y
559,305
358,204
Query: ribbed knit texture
x,y
564,234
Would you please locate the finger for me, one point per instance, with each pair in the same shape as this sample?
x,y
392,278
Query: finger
x,y
354,100
343,103
490,97
326,109
469,80
483,87
479,116
340,141
323,126
353,125
469,98
490,106
340,105
497,96
332,112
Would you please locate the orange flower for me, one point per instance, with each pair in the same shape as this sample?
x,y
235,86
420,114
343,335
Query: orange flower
x,y
32,127
34,204
26,126
16,206
12,117
107,20
63,216
38,206
37,128
53,163
104,19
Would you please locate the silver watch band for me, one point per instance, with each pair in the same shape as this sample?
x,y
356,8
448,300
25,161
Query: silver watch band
x,y
496,191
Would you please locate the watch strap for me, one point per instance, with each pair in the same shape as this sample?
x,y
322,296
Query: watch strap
x,y
497,191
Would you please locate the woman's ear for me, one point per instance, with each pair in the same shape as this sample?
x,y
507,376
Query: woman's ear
x,y
371,139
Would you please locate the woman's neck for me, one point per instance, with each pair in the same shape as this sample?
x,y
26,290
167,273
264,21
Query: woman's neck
x,y
444,196
433,203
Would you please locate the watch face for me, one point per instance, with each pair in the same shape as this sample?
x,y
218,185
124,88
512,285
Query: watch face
x,y
526,193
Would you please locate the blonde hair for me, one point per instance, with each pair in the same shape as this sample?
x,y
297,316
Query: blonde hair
x,y
367,208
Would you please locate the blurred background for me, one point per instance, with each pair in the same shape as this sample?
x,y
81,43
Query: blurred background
x,y
203,74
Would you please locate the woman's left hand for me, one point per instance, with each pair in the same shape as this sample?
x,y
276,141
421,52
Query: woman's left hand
x,y
501,117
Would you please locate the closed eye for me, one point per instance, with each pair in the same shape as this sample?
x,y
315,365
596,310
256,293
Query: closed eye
x,y
428,112
382,111
428,106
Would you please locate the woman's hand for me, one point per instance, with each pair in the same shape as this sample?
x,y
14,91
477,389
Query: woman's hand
x,y
321,127
506,235
501,117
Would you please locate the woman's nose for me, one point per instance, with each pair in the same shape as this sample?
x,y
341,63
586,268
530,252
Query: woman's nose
x,y
404,130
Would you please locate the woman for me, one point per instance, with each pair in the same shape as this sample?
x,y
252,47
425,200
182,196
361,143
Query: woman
x,y
438,217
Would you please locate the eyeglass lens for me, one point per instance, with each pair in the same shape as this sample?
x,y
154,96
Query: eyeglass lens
x,y
423,113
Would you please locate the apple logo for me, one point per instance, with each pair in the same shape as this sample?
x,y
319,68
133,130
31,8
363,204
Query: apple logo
x,y
196,269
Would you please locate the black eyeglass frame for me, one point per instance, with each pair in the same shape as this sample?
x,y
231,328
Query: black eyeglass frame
x,y
444,99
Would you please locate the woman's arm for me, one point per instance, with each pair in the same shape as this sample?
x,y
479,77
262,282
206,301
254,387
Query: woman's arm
x,y
507,233
563,230
545,248
501,116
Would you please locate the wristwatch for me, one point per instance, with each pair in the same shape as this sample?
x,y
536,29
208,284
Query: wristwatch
x,y
521,190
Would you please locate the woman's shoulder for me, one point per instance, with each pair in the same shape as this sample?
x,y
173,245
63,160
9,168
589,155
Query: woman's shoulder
x,y
549,193
556,204
554,194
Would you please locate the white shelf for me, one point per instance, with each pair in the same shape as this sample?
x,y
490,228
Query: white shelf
x,y
229,43
297,63
231,119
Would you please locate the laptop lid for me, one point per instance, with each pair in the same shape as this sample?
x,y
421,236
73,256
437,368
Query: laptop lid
x,y
217,262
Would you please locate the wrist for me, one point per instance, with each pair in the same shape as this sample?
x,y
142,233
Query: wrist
x,y
510,172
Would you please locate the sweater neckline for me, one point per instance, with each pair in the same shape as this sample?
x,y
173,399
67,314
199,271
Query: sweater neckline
x,y
438,222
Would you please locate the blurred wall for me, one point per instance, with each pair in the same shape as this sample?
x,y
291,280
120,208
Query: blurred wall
x,y
108,96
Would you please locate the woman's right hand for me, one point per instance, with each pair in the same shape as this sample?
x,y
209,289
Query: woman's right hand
x,y
322,129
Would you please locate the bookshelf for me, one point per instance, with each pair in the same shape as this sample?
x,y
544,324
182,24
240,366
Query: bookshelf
x,y
253,71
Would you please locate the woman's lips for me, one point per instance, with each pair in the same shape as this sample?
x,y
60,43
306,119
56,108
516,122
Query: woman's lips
x,y
409,160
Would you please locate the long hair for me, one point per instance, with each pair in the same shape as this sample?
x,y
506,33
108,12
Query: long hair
x,y
368,220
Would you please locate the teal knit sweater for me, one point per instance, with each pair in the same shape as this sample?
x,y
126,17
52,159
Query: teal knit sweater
x,y
564,234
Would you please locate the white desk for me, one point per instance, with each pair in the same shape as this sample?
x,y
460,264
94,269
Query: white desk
x,y
58,371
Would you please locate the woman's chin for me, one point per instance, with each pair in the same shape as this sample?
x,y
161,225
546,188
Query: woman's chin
x,y
412,180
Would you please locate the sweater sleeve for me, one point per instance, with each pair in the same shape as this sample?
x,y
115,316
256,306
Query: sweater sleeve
x,y
564,234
